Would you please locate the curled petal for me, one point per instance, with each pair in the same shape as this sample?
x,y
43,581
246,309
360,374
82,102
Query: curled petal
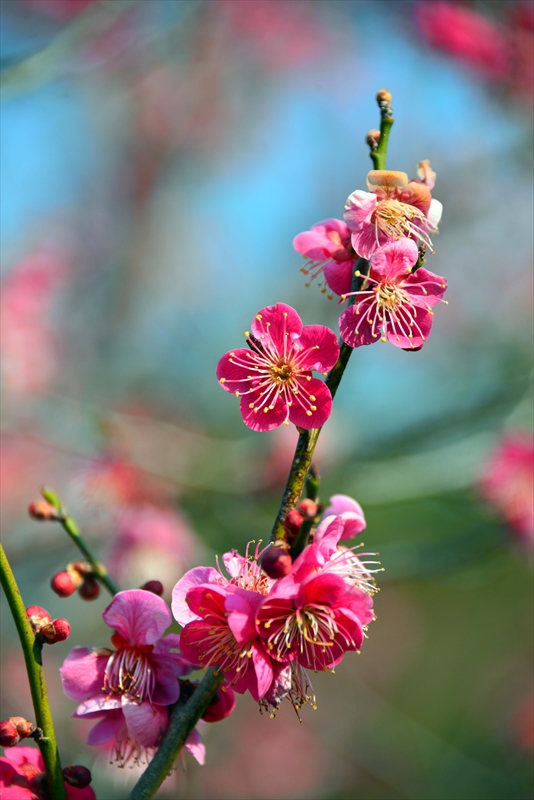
x,y
82,673
306,412
416,194
343,504
434,213
358,211
426,174
261,414
277,325
95,706
318,348
386,180
140,617
195,746
181,611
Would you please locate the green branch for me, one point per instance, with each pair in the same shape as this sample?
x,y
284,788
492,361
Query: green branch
x,y
36,679
378,156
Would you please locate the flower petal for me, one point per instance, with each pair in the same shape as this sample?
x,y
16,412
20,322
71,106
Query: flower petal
x,y
180,609
139,617
263,416
195,746
416,194
317,348
106,729
277,324
434,213
96,706
311,407
17,756
420,330
356,329
146,724
233,374
82,673
167,654
338,275
425,288
351,513
358,210
394,260
263,668
241,615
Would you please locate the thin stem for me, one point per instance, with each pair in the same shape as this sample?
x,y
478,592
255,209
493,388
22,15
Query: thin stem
x,y
378,156
308,439
183,720
70,526
36,679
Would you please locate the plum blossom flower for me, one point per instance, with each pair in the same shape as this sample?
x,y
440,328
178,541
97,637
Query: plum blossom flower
x,y
508,480
350,511
274,378
130,688
327,246
393,208
396,304
21,773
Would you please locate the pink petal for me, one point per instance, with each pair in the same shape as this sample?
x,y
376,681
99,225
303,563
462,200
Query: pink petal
x,y
107,729
263,667
19,755
73,793
369,239
240,618
416,194
263,418
16,792
167,655
195,746
145,723
167,689
208,600
351,512
196,576
195,639
139,617
435,287
95,706
338,275
394,260
234,563
277,324
231,375
358,210
82,673
7,773
355,329
314,244
327,535
318,348
298,414
424,321
324,588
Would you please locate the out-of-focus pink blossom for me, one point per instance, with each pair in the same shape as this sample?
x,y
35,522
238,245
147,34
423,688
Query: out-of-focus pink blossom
x,y
129,689
508,483
328,249
464,34
392,209
29,345
274,378
62,9
151,543
21,775
396,304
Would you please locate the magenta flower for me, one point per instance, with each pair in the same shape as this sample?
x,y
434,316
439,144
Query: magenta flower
x,y
21,772
351,513
396,303
394,208
130,688
327,246
274,378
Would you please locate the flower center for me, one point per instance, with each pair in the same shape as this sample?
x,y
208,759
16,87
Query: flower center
x,y
397,219
129,672
391,296
281,372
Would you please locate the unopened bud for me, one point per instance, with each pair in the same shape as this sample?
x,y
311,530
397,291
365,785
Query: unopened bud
x,y
276,562
383,96
293,522
56,631
372,139
221,706
43,510
14,729
38,617
65,583
156,587
308,508
90,589
76,775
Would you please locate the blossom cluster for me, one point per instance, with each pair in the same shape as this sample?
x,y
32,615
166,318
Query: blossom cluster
x,y
264,633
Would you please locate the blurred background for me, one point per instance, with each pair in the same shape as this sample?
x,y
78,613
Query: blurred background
x,y
157,159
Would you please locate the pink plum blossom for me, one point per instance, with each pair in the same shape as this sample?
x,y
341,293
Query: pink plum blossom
x,y
21,771
274,378
327,246
396,304
350,511
392,209
508,483
130,688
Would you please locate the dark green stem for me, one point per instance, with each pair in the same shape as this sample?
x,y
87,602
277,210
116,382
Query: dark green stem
x,y
70,526
36,679
183,720
378,156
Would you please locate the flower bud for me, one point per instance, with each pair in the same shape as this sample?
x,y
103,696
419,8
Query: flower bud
x,y
76,775
90,589
372,139
221,706
276,562
293,522
156,587
65,583
308,508
383,96
9,735
56,631
38,617
43,510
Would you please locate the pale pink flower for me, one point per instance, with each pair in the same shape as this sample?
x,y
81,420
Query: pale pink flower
x,y
392,209
396,304
21,772
508,483
328,249
274,378
129,689
351,513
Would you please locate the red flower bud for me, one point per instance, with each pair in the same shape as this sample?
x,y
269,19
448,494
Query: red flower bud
x,y
156,587
276,562
43,510
38,617
308,508
56,631
221,706
81,567
292,522
9,735
76,775
65,583
90,589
